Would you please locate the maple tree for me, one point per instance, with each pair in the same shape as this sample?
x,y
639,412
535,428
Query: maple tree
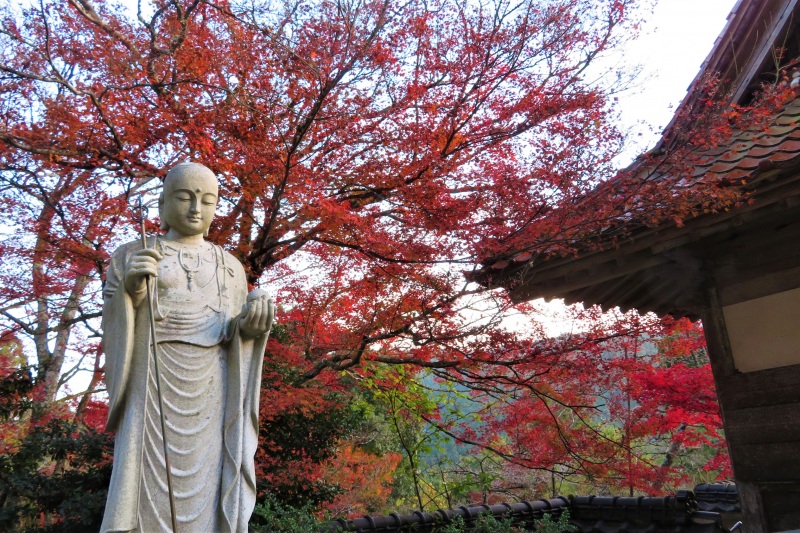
x,y
369,153
647,422
625,405
365,150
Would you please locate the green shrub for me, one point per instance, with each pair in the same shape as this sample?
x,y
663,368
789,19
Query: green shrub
x,y
71,499
272,516
485,523
548,525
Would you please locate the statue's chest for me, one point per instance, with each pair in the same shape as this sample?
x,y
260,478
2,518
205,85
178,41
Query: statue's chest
x,y
187,274
191,304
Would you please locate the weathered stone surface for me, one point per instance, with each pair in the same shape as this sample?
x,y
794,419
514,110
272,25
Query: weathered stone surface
x,y
211,337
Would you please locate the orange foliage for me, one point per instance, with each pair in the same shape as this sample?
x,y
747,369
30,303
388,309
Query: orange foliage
x,y
365,480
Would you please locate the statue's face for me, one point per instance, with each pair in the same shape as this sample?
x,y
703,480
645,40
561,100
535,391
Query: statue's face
x,y
189,199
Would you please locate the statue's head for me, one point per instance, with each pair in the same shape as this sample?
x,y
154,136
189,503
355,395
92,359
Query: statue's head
x,y
188,199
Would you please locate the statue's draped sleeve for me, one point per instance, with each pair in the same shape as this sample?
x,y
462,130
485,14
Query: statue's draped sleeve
x,y
245,361
118,335
126,341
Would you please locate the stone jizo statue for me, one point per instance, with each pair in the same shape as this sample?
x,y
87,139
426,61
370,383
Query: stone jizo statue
x,y
211,336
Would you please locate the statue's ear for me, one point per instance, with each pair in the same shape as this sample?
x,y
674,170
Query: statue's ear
x,y
164,226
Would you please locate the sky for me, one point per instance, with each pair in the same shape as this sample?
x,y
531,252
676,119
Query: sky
x,y
675,40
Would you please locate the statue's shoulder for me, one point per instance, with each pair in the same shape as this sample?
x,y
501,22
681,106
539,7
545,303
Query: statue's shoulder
x,y
234,273
231,262
228,257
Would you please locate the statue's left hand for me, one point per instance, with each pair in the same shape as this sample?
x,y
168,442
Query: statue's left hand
x,y
257,315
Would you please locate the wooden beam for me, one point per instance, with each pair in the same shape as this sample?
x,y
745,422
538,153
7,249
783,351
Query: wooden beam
x,y
752,507
602,291
760,286
757,389
781,503
558,277
766,462
763,424
763,51
581,279
719,346
629,291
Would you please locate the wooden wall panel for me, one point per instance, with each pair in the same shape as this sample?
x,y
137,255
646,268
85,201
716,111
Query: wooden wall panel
x,y
765,424
766,462
782,506
773,386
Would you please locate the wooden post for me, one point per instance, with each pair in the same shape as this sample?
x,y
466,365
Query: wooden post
x,y
722,366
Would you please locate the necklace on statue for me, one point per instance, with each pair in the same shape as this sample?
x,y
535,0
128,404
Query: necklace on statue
x,y
190,271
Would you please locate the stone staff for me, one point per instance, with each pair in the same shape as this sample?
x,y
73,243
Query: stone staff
x,y
154,344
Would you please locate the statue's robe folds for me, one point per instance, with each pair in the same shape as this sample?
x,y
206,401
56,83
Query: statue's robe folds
x,y
210,378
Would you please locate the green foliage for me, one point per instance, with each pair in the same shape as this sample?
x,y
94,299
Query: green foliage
x,y
485,523
59,470
548,525
272,516
16,379
403,401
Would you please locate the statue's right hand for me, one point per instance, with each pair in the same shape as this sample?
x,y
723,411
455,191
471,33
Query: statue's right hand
x,y
142,263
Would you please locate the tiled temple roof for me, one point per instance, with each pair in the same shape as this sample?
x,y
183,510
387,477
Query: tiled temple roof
x,y
752,153
588,514
522,513
631,263
717,497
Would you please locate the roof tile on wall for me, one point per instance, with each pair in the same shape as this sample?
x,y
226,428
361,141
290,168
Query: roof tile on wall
x,y
588,514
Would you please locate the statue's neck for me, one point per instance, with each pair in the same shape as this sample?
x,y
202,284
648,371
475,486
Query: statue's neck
x,y
174,236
